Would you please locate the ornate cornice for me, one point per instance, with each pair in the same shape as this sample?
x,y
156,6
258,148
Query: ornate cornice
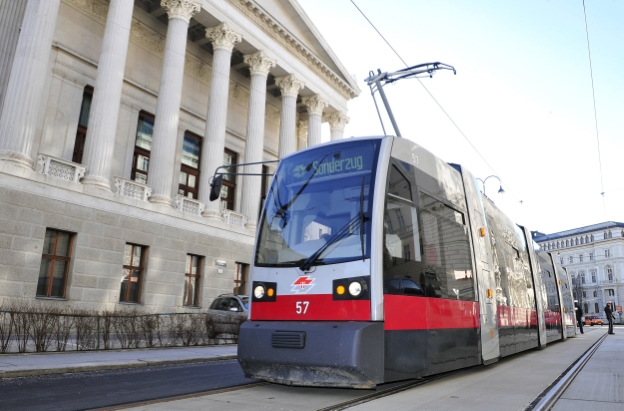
x,y
259,63
278,31
222,37
315,104
289,85
181,9
337,120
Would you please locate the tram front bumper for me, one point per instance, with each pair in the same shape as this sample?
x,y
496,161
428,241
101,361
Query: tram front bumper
x,y
324,354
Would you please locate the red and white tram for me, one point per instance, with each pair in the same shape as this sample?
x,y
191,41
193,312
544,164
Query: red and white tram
x,y
376,261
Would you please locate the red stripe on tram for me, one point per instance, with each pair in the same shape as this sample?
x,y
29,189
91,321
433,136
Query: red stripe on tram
x,y
311,307
419,313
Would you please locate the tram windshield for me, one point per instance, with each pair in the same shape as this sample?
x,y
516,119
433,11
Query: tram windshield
x,y
318,208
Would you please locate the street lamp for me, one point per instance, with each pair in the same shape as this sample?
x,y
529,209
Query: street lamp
x,y
500,189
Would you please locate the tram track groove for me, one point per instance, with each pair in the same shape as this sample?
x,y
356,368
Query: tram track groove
x,y
181,397
549,397
387,392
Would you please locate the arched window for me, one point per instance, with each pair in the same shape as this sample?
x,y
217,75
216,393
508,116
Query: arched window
x,y
586,308
610,234
567,243
582,242
586,239
557,244
604,235
549,246
592,238
577,243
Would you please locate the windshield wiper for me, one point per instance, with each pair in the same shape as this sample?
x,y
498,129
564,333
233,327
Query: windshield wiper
x,y
363,218
353,224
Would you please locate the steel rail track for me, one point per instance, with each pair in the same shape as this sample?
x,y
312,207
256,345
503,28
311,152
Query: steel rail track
x,y
547,399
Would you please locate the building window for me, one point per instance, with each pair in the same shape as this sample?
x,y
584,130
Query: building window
x,y
131,282
582,240
228,188
609,273
607,253
610,234
54,269
586,308
561,260
584,294
610,292
191,280
582,278
593,276
581,258
595,293
189,170
570,259
591,238
142,148
399,215
83,121
597,310
242,279
406,252
591,256
577,243
586,239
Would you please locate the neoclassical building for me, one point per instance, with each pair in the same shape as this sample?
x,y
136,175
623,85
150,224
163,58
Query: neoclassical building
x,y
594,258
114,115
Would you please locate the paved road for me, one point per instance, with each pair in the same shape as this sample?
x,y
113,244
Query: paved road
x,y
107,388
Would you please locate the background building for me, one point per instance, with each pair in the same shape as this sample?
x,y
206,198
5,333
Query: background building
x,y
114,116
594,258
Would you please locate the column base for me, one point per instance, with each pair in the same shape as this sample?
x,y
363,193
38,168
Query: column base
x,y
212,215
96,182
17,159
160,199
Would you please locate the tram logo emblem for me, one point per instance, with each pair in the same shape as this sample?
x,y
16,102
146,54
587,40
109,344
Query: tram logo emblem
x,y
302,284
299,171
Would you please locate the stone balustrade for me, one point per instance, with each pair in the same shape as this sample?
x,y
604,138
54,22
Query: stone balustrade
x,y
129,188
188,205
234,218
57,167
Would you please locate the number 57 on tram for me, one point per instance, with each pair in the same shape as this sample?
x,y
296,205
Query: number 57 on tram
x,y
376,261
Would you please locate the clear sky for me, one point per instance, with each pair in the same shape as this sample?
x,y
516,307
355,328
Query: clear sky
x,y
522,94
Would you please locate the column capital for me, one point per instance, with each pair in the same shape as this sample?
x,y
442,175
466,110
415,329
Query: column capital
x,y
315,104
223,37
259,63
181,9
289,85
337,120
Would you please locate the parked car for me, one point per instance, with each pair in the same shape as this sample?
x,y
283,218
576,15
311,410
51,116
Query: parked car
x,y
593,320
235,304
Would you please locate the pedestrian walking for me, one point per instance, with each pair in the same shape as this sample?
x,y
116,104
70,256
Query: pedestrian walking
x,y
610,317
579,315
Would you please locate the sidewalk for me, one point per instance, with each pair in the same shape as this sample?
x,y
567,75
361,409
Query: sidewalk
x,y
600,384
22,365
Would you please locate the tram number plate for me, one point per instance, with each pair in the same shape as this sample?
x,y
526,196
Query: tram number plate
x,y
302,307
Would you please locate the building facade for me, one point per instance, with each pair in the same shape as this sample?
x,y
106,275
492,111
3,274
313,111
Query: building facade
x,y
594,258
114,115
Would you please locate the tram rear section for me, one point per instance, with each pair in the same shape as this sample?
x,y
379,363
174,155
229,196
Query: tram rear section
x,y
376,262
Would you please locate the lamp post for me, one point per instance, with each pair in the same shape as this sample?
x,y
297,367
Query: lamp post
x,y
500,189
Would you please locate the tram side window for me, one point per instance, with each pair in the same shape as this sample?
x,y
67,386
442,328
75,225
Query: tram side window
x,y
447,266
402,261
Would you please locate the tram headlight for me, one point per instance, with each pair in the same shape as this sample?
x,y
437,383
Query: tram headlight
x,y
355,289
259,291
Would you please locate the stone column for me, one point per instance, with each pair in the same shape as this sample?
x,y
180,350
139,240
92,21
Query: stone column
x,y
259,66
18,120
223,40
337,122
102,126
11,15
315,106
162,156
289,86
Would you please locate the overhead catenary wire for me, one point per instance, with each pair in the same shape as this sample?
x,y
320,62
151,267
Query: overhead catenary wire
x,y
591,75
430,95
